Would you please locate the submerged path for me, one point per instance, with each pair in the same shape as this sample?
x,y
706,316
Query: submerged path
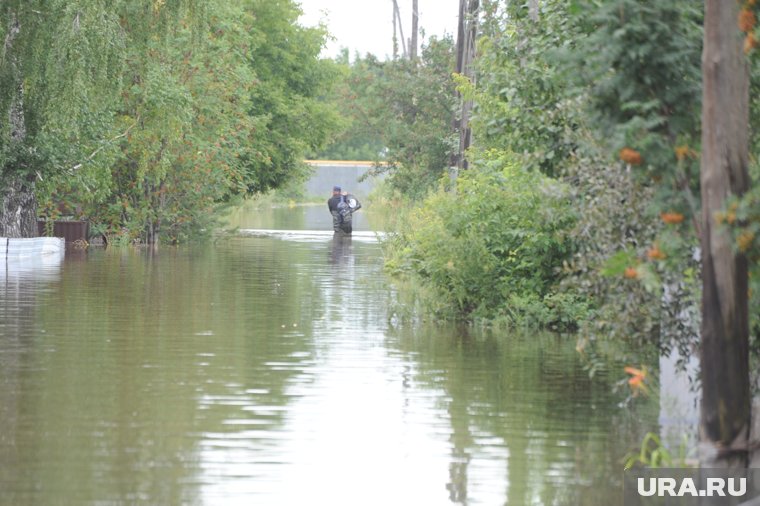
x,y
276,369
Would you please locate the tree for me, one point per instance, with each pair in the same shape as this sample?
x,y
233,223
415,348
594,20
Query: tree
x,y
289,95
184,102
58,73
149,114
726,403
61,70
227,110
17,216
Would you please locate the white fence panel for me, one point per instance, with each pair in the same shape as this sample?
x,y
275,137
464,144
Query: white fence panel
x,y
16,248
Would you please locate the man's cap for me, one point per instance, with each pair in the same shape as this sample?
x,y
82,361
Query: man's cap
x,y
336,188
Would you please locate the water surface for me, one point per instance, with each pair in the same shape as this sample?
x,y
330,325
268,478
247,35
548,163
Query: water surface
x,y
275,371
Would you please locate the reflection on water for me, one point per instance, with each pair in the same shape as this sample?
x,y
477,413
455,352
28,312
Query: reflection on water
x,y
341,253
266,370
21,280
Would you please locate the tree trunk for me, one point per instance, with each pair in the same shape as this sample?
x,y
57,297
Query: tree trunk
x,y
18,210
415,30
725,409
18,213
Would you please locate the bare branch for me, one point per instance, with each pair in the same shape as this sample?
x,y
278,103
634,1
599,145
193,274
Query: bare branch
x,y
92,155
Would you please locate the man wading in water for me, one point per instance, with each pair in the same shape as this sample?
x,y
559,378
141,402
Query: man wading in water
x,y
342,205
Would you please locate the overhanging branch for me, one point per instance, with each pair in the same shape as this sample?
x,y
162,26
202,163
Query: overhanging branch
x,y
101,148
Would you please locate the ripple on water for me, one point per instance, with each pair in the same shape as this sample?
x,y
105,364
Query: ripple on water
x,y
263,370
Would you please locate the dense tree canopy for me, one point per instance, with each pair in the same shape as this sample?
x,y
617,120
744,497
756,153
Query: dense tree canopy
x,y
143,116
400,112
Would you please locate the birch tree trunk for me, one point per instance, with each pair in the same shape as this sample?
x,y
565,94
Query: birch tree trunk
x,y
725,409
18,211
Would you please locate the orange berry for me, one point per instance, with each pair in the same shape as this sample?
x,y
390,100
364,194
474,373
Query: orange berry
x,y
672,218
746,20
655,253
750,43
630,273
630,156
636,381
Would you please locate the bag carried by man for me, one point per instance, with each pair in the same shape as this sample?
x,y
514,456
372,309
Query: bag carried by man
x,y
346,207
348,204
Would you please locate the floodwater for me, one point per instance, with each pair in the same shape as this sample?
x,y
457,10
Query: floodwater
x,y
275,370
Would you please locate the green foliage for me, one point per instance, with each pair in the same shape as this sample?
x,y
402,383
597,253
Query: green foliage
x,y
67,59
356,138
566,94
187,107
555,311
500,235
187,102
400,112
289,94
636,68
639,65
521,98
642,62
653,454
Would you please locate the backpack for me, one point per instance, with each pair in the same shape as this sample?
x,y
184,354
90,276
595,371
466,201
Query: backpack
x,y
344,209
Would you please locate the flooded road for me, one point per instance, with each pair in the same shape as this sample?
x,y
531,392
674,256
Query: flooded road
x,y
274,370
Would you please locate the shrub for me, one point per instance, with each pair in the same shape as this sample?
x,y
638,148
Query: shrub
x,y
500,236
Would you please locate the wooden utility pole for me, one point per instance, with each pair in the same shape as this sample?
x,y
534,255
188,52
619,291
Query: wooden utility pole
x,y
725,409
533,10
415,31
397,17
395,38
467,31
460,34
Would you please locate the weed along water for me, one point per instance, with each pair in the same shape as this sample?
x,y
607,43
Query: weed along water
x,y
272,370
